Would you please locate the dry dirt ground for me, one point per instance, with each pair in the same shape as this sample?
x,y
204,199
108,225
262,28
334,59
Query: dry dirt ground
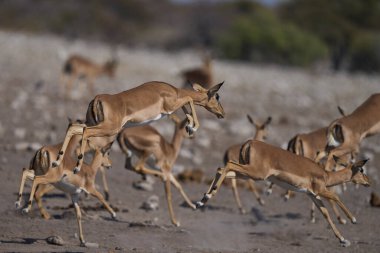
x,y
33,113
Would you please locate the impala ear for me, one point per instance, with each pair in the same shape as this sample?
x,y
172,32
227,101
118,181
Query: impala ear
x,y
198,87
250,119
360,163
341,111
339,161
211,92
269,120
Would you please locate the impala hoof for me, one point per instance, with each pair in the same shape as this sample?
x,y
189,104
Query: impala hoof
x,y
190,131
55,164
199,204
76,170
261,202
268,192
25,210
354,221
18,204
113,215
345,243
243,211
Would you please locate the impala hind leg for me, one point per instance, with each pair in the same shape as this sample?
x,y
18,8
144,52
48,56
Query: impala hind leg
x,y
105,184
37,181
318,202
26,174
253,189
78,214
42,190
74,129
236,196
100,130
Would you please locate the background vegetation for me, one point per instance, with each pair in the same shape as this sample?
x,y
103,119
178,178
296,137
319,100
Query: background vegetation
x,y
342,34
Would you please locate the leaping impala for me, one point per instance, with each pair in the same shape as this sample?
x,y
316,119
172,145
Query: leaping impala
x,y
344,135
261,161
145,142
46,178
232,154
108,114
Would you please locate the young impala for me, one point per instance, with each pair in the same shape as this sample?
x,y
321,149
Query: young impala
x,y
78,67
46,178
344,135
232,154
108,114
261,161
145,142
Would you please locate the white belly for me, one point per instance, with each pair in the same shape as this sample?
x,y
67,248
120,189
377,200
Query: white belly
x,y
286,185
66,186
127,124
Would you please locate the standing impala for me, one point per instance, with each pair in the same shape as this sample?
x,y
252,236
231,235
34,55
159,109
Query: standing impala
x,y
232,154
345,134
108,114
45,177
202,75
261,161
78,67
144,142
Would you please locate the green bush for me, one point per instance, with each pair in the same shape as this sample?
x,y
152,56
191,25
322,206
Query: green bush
x,y
365,53
261,37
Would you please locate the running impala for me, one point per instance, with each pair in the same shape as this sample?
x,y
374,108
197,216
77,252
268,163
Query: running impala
x,y
108,114
261,161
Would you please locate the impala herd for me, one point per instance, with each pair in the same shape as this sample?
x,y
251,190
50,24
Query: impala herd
x,y
313,163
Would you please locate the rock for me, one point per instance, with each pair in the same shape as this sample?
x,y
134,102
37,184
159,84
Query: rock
x,y
91,245
19,133
56,240
152,203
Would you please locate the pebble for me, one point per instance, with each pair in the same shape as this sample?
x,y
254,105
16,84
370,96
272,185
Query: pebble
x,y
152,203
56,240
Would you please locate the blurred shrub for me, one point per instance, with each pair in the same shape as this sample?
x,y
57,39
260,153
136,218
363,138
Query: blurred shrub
x,y
365,53
261,37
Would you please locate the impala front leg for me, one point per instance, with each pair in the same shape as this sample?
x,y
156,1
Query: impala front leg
x,y
191,128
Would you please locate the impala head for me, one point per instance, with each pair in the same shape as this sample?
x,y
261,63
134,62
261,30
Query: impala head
x,y
106,160
212,103
358,175
261,129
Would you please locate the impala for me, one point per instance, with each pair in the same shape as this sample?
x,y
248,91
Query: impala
x,y
108,114
145,142
202,75
232,154
261,161
45,177
78,67
345,134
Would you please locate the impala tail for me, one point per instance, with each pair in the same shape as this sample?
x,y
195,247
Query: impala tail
x,y
335,136
244,153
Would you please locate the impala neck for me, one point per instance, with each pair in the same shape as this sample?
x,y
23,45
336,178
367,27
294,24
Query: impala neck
x,y
199,98
177,141
338,177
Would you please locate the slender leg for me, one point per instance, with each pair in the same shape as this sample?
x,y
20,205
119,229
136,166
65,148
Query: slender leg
x,y
169,200
26,174
37,181
100,130
336,211
100,197
236,195
42,190
105,184
312,213
330,195
180,189
325,213
253,189
78,213
269,189
74,129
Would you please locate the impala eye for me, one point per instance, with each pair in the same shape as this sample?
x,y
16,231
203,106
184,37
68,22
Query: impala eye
x,y
217,96
361,170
